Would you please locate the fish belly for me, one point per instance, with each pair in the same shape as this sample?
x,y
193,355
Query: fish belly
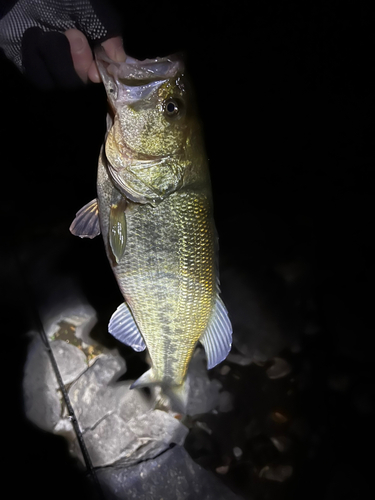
x,y
167,276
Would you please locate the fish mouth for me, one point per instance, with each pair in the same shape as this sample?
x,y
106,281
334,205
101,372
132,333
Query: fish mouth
x,y
132,80
134,72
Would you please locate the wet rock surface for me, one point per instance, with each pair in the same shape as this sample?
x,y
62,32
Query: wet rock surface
x,y
173,475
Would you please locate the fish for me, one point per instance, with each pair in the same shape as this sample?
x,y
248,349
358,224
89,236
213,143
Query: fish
x,y
154,210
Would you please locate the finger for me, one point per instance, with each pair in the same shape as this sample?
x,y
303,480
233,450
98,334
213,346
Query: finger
x,y
81,53
93,73
114,49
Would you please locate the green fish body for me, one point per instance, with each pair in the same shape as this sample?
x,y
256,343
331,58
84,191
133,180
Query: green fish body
x,y
154,210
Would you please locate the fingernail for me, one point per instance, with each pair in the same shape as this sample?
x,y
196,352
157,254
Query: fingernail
x,y
120,54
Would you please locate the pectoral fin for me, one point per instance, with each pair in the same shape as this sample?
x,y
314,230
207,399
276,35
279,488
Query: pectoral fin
x,y
217,339
86,223
123,327
117,228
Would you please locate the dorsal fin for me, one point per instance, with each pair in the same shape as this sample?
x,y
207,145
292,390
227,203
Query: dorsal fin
x,y
217,338
123,327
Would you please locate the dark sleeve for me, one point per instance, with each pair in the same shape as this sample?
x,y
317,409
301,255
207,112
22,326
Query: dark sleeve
x,y
31,35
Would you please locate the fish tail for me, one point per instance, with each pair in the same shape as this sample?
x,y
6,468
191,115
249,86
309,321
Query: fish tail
x,y
177,394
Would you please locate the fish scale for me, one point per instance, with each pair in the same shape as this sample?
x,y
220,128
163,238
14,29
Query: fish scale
x,y
167,275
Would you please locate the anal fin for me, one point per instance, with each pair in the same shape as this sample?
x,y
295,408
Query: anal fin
x,y
123,327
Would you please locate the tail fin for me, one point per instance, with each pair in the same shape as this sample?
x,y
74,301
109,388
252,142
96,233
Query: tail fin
x,y
177,394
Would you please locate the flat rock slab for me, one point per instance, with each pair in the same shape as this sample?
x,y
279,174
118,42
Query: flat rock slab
x,y
114,439
172,475
118,423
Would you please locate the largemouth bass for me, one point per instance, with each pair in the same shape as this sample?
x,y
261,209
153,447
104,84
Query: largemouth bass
x,y
154,211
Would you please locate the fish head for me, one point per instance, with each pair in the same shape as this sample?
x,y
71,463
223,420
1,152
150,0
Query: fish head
x,y
150,124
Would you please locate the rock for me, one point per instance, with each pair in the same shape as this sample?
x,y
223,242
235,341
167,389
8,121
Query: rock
x,y
41,401
281,443
279,369
279,417
204,427
80,315
40,386
173,475
73,325
277,473
93,395
223,469
70,360
239,359
118,423
129,442
203,392
224,370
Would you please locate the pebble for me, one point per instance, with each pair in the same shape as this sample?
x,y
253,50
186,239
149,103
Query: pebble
x,y
281,443
223,469
237,452
278,417
279,369
225,370
204,427
277,473
239,359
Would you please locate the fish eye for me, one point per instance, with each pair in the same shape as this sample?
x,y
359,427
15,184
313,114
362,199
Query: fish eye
x,y
172,107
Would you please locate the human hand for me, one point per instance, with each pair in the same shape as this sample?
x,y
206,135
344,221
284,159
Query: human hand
x,y
83,61
49,40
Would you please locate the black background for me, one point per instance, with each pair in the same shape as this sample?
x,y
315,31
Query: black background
x,y
286,97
